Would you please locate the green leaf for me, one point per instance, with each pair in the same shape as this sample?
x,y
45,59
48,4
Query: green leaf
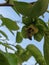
x,y
36,53
3,59
25,55
7,46
10,1
8,58
35,10
26,20
46,47
41,25
20,50
22,53
4,34
12,59
24,32
38,36
0,42
16,10
22,9
19,37
11,25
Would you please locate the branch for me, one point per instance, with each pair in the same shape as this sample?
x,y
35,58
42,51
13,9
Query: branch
x,y
6,4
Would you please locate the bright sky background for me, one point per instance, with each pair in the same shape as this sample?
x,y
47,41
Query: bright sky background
x,y
9,13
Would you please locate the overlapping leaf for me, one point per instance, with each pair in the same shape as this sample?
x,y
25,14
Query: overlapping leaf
x,y
41,24
46,47
11,25
19,37
38,37
25,55
8,58
24,32
6,45
22,9
3,59
42,28
4,34
31,50
20,50
34,10
26,20
36,53
12,59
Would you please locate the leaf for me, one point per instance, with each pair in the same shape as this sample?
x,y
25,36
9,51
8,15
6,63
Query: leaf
x,y
36,53
35,10
16,10
7,46
20,50
46,47
19,37
38,36
4,34
22,9
3,59
24,32
42,28
11,25
41,25
8,58
22,53
0,42
11,2
12,59
26,20
25,55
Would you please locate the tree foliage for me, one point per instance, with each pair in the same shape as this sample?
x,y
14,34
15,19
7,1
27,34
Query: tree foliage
x,y
33,27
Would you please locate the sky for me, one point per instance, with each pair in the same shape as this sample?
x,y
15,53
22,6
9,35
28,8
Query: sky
x,y
10,13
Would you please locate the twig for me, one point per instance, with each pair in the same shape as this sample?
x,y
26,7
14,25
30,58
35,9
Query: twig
x,y
6,4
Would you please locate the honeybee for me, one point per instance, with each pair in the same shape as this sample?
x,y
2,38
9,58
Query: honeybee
x,y
29,33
